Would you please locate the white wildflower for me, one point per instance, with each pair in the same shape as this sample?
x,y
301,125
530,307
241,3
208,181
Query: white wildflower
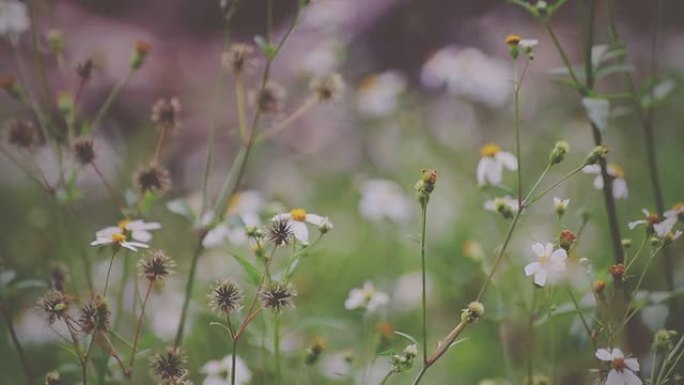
x,y
622,370
549,263
492,163
366,297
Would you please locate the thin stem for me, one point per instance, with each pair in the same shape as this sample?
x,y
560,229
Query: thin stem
x,y
160,142
636,255
499,257
529,201
21,167
387,376
39,68
525,201
420,375
110,99
423,225
585,324
109,271
276,349
138,327
17,345
117,200
242,111
233,362
188,291
273,131
561,52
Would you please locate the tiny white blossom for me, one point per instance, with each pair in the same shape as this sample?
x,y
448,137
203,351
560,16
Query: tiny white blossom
x,y
219,372
528,43
560,204
622,370
378,95
366,297
492,163
619,184
549,263
14,19
664,229
115,236
508,201
650,219
384,199
139,229
298,217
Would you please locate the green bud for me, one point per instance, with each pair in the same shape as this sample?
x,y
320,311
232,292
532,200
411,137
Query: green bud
x,y
558,153
56,40
599,152
473,312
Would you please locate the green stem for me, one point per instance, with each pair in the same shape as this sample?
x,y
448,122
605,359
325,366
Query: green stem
x,y
138,327
233,362
563,55
17,345
276,349
529,201
188,291
423,278
109,271
387,376
108,102
585,324
420,375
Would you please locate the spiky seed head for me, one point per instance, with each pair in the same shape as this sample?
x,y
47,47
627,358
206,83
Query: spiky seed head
x,y
226,297
165,112
327,88
22,134
83,150
55,304
280,232
277,297
152,177
95,316
157,266
271,99
168,366
239,59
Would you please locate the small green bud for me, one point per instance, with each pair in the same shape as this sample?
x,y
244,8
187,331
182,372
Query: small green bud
x,y
558,153
473,312
140,52
662,339
254,232
626,243
56,40
599,152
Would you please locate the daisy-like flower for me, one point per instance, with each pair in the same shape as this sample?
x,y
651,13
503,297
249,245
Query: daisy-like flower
x,y
219,371
492,163
14,19
650,220
116,237
378,94
507,206
663,229
384,199
560,205
549,263
622,370
618,175
676,211
139,229
298,217
366,297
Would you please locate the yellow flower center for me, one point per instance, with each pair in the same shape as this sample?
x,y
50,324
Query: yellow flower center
x,y
489,149
298,215
543,259
678,206
616,170
368,83
233,202
123,223
118,238
513,39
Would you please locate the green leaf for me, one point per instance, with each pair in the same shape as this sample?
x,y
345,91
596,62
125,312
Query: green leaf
x,y
268,49
251,270
598,111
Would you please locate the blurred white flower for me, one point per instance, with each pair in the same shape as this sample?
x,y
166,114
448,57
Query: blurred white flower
x,y
321,59
664,229
469,73
366,297
676,211
219,372
247,205
14,18
622,370
407,293
164,310
378,94
503,204
139,229
492,163
618,174
298,217
549,263
384,199
115,236
336,366
560,204
650,219
216,237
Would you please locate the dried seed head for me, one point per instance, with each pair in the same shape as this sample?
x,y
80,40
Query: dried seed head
x,y
271,98
22,134
95,316
277,297
280,232
156,267
226,297
168,366
239,59
55,304
84,70
327,88
153,177
165,112
566,239
83,150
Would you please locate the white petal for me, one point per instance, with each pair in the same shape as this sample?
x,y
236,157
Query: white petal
x,y
215,236
634,224
493,172
592,169
481,171
538,249
661,229
646,212
532,268
141,235
559,255
540,277
128,246
604,355
620,189
617,353
632,363
314,219
280,217
136,244
107,232
212,367
615,378
101,241
507,159
598,182
631,378
548,249
301,232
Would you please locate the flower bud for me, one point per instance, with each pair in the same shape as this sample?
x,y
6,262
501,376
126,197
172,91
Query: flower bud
x,y
512,41
140,52
473,312
558,153
599,152
56,41
617,271
598,286
426,185
626,243
662,339
567,239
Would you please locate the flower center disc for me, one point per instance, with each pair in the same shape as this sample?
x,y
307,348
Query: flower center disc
x,y
489,149
298,215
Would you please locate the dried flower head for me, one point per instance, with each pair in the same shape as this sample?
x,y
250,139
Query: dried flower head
x,y
239,59
327,88
165,112
157,266
277,297
83,150
22,134
95,316
152,177
270,99
84,70
226,297
566,239
168,366
281,231
55,304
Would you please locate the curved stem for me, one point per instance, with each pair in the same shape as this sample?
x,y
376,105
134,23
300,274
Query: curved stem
x,y
189,285
108,102
17,345
276,349
138,328
423,284
109,271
